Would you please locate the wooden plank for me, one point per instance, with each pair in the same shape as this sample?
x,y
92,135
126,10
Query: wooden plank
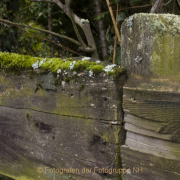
x,y
166,131
145,124
31,139
160,111
150,166
135,129
153,83
95,100
60,127
151,111
152,145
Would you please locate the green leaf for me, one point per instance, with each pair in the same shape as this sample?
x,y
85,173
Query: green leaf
x,y
107,34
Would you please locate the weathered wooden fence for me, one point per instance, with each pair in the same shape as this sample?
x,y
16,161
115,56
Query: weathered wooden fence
x,y
75,130
151,97
69,131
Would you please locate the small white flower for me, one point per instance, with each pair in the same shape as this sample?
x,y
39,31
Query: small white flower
x,y
74,72
86,58
43,61
36,65
59,71
98,61
109,68
90,73
72,65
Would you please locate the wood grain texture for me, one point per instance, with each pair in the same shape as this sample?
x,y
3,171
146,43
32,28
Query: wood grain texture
x,y
150,166
150,44
153,112
61,127
151,105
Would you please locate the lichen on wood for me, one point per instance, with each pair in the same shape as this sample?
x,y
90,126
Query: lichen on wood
x,y
11,61
51,117
154,40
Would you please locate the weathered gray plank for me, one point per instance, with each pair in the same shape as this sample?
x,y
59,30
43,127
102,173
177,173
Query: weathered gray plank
x,y
163,111
145,124
95,100
153,145
50,140
153,166
42,125
152,112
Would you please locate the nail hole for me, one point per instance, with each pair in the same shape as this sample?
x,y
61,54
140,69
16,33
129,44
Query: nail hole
x,y
43,127
105,99
53,138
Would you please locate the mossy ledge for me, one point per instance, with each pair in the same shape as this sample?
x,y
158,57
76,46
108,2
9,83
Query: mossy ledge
x,y
11,62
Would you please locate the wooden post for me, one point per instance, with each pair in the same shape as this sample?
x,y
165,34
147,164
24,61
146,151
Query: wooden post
x,y
151,96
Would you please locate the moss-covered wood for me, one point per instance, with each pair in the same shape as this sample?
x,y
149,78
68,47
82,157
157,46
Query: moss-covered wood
x,y
151,96
49,122
151,44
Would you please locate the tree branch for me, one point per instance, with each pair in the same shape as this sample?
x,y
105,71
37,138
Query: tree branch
x,y
85,26
42,30
68,3
167,3
178,2
157,6
114,22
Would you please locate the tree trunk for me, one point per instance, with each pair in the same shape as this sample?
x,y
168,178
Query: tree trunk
x,y
101,30
50,29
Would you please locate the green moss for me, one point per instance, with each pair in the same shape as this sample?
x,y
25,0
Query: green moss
x,y
81,65
57,82
68,79
118,72
11,62
97,69
81,87
165,58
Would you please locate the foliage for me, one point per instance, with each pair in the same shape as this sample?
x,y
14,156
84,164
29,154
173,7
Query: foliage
x,y
34,43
